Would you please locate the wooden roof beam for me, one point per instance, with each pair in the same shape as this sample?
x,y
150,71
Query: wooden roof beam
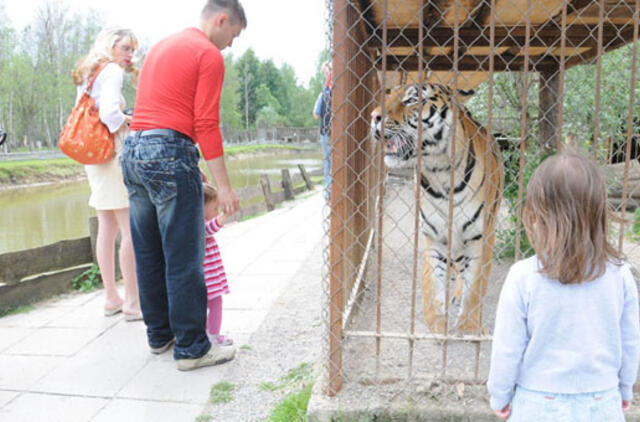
x,y
470,63
541,36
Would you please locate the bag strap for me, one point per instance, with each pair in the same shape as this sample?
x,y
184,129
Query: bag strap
x,y
87,90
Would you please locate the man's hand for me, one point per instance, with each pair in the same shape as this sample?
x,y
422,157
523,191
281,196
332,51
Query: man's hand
x,y
504,413
226,195
626,405
228,200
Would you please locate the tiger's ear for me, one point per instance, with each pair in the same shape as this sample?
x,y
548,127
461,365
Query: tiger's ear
x,y
464,95
410,96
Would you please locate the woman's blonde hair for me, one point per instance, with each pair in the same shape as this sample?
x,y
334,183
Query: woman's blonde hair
x,y
102,51
566,216
210,192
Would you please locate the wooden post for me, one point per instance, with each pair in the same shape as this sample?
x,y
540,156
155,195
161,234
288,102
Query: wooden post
x,y
305,176
287,185
548,133
266,189
350,105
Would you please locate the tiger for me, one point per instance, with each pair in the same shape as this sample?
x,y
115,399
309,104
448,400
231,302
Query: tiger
x,y
478,182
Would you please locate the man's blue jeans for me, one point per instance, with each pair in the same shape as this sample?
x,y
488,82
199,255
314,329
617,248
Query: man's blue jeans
x,y
167,225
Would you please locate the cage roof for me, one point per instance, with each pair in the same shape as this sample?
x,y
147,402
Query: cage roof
x,y
585,25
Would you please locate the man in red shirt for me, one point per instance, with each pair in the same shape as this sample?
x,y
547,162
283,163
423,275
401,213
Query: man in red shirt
x,y
177,107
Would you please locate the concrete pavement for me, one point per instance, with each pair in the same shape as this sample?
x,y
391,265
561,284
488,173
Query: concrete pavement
x,y
65,361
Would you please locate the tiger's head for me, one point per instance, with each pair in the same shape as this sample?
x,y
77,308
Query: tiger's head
x,y
403,108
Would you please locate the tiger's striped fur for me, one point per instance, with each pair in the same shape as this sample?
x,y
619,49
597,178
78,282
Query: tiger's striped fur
x,y
478,183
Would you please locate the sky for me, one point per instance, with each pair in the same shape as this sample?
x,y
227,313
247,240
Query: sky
x,y
286,31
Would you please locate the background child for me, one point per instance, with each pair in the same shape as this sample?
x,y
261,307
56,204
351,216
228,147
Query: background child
x,y
567,336
214,275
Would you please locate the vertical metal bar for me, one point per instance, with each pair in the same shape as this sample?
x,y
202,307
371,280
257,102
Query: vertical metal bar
x,y
337,222
418,172
523,128
627,158
563,47
596,123
381,190
452,160
492,45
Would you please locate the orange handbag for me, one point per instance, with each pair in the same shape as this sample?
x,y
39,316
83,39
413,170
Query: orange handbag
x,y
84,137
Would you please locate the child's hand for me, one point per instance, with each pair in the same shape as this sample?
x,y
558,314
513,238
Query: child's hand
x,y
504,413
626,405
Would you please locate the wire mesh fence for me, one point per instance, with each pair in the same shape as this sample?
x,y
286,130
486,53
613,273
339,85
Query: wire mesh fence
x,y
440,112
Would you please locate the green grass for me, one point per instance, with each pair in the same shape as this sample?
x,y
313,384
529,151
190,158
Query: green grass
x,y
292,408
204,418
221,392
232,150
301,374
17,310
18,171
246,347
634,229
88,281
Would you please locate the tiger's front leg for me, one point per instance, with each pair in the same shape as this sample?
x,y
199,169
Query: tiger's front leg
x,y
476,276
433,289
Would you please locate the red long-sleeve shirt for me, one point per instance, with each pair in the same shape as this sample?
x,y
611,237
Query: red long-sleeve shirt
x,y
179,88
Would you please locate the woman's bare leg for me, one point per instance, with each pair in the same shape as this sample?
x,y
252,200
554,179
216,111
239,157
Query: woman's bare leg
x,y
105,255
128,264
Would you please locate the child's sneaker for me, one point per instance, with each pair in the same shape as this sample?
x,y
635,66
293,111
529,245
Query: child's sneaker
x,y
217,355
220,340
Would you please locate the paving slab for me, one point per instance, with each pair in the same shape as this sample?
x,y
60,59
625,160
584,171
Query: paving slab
x,y
54,341
7,396
20,373
147,411
11,335
65,361
33,407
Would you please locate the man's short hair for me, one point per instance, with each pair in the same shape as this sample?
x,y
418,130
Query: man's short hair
x,y
233,6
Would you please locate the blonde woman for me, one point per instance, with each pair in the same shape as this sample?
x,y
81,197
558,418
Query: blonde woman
x,y
115,45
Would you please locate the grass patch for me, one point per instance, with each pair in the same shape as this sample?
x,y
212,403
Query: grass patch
x,y
246,347
634,229
88,281
232,150
292,408
302,374
17,310
30,170
204,418
221,392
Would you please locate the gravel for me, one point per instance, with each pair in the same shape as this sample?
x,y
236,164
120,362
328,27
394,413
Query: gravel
x,y
289,336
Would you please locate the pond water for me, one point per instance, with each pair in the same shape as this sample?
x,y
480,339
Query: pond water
x,y
38,216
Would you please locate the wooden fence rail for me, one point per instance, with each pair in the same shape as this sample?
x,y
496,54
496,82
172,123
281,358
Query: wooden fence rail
x,y
35,274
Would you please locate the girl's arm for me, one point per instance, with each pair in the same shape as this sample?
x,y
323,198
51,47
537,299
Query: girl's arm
x,y
509,343
222,218
630,336
216,223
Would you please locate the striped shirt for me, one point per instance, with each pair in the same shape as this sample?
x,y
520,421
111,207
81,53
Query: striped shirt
x,y
214,275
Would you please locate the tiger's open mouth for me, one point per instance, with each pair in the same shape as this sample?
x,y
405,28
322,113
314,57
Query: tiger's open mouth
x,y
391,145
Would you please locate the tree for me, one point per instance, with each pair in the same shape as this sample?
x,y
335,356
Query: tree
x,y
230,114
247,70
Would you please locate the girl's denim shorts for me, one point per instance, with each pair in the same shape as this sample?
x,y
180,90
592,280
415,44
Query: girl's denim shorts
x,y
538,406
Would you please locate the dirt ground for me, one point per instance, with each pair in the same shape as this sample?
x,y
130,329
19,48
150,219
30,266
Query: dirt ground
x,y
432,380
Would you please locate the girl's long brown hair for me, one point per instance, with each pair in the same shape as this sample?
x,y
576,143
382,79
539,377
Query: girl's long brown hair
x,y
566,216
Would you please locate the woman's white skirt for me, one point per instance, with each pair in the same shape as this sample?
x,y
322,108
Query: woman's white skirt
x,y
108,191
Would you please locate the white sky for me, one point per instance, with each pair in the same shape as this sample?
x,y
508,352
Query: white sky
x,y
287,31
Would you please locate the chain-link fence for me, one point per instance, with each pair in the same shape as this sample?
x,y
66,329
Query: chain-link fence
x,y
420,234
